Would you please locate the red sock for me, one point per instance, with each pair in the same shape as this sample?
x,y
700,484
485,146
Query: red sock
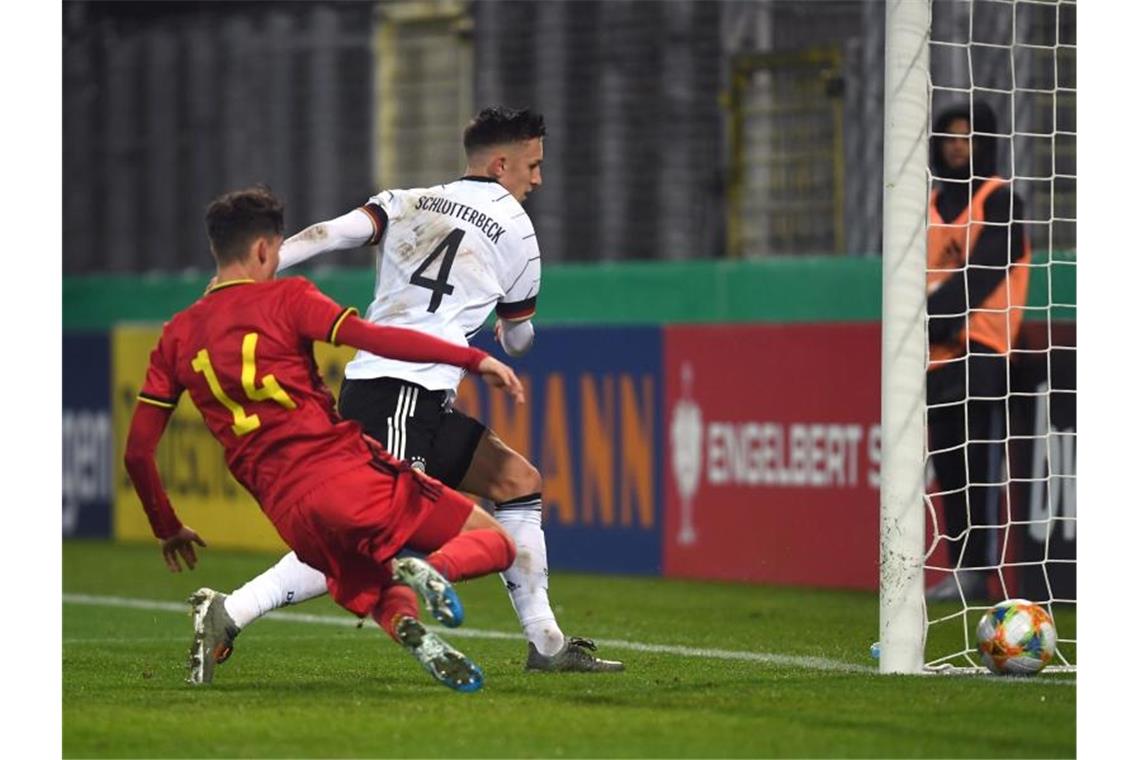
x,y
396,602
474,554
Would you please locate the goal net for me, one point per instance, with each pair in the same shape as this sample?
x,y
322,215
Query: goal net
x,y
981,124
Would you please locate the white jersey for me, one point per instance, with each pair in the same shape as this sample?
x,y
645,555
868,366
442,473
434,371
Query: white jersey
x,y
447,256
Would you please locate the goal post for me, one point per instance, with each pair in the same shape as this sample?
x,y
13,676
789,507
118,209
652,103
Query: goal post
x,y
978,486
902,615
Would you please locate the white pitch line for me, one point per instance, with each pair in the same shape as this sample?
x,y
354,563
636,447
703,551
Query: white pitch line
x,y
813,663
765,658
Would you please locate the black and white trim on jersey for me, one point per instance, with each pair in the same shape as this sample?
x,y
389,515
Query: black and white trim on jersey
x,y
379,218
518,310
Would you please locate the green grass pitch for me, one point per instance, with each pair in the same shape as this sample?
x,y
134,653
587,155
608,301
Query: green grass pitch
x,y
323,688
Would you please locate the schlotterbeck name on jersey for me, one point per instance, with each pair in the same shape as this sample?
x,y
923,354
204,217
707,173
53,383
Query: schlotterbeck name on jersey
x,y
488,226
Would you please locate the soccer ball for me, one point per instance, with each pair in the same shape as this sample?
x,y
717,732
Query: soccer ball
x,y
1016,637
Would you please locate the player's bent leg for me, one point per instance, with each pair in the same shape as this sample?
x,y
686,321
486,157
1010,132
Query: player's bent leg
x,y
477,547
500,473
482,547
460,538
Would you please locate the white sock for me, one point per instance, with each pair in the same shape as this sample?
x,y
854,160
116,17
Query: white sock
x,y
526,580
290,581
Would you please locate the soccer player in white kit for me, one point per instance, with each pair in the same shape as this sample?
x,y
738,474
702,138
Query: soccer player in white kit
x,y
447,256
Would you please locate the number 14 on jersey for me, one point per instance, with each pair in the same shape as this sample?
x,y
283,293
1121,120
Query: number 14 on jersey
x,y
270,390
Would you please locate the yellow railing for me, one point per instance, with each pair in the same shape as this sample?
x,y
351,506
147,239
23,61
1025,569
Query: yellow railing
x,y
785,182
423,92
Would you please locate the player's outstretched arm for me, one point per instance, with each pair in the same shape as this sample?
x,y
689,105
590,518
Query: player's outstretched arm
x,y
147,426
361,226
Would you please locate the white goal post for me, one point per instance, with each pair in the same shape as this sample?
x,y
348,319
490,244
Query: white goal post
x,y
1017,58
902,614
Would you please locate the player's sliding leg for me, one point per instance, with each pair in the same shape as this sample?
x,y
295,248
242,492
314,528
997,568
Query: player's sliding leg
x,y
479,548
290,581
505,476
397,615
476,552
219,618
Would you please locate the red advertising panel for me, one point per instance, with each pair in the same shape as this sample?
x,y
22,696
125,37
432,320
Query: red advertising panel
x,y
772,453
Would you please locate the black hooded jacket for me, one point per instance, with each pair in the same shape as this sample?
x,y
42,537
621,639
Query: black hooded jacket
x,y
994,245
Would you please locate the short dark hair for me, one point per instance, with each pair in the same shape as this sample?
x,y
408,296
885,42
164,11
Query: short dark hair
x,y
498,125
235,219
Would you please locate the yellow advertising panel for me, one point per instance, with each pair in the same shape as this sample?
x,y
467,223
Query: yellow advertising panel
x,y
193,468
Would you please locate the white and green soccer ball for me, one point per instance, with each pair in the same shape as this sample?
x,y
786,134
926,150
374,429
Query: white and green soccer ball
x,y
1016,637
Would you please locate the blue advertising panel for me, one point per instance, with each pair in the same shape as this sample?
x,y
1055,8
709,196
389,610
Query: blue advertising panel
x,y
592,427
87,442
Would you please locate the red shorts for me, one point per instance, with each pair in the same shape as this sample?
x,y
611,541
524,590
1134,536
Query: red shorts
x,y
353,524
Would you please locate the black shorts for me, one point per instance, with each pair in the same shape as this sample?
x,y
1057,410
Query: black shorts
x,y
414,424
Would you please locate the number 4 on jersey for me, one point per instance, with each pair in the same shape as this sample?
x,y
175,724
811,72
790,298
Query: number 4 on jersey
x,y
449,246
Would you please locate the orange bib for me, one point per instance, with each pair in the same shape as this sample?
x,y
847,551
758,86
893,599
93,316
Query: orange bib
x,y
994,322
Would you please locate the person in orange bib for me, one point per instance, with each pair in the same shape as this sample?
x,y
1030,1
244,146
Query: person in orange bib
x,y
977,279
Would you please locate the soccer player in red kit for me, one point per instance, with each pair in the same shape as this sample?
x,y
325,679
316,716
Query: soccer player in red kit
x,y
244,354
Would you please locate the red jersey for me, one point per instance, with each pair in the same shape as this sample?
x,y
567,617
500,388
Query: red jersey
x,y
244,352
